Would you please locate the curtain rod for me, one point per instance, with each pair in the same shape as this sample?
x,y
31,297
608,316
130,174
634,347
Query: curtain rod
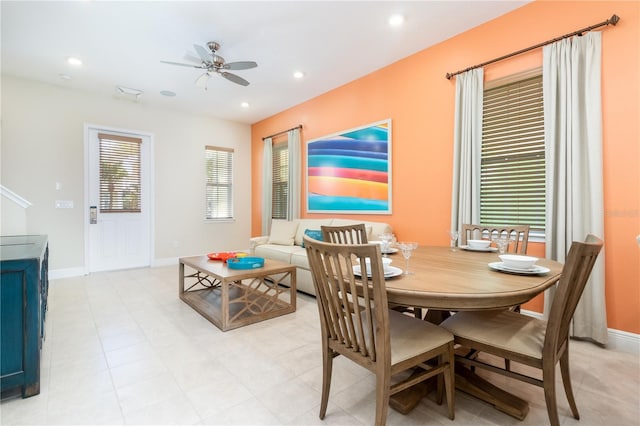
x,y
299,126
612,21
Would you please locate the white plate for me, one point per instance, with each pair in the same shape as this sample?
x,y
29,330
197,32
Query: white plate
x,y
479,248
392,271
535,270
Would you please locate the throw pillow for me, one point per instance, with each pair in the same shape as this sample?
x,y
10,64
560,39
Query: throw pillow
x,y
316,234
282,232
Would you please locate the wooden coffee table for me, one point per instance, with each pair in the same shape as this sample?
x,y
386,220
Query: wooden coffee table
x,y
232,298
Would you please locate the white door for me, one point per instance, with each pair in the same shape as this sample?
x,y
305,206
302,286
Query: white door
x,y
119,200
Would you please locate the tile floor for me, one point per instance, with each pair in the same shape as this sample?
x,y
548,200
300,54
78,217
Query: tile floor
x,y
121,348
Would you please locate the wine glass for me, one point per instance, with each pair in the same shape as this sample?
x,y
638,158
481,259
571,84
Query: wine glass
x,y
406,249
502,243
453,236
386,239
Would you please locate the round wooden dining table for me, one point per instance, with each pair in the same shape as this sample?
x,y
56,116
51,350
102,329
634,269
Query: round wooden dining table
x,y
462,280
443,280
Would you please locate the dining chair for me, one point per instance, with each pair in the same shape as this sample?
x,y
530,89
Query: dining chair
x,y
346,234
532,341
356,322
357,234
518,234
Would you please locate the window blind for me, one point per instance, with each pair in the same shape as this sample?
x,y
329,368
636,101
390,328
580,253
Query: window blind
x,y
512,183
219,183
280,185
120,183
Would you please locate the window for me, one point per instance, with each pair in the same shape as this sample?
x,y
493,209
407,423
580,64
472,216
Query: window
x,y
512,182
119,174
280,185
219,185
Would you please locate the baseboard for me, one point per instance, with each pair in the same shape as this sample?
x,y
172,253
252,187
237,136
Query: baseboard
x,y
55,274
618,340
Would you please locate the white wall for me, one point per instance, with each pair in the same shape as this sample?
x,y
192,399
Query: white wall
x,y
43,143
14,218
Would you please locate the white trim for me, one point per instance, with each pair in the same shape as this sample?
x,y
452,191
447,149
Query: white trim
x,y
55,274
618,340
22,202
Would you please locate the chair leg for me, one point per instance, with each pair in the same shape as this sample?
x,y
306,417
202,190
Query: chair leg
x,y
566,381
549,385
449,383
383,382
327,368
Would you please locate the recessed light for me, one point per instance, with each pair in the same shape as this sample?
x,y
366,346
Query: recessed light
x,y
244,104
298,74
396,20
74,61
168,93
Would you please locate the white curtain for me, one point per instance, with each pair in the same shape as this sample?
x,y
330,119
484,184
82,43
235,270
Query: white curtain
x,y
267,182
293,207
467,146
573,139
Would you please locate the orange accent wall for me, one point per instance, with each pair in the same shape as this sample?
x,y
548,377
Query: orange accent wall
x,y
420,102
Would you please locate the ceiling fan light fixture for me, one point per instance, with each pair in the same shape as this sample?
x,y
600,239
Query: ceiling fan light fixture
x,y
167,93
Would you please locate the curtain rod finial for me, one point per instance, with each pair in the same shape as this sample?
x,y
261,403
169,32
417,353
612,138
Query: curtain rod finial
x,y
449,75
614,19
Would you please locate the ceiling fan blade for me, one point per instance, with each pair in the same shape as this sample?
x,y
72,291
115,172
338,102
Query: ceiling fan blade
x,y
236,79
192,58
240,65
182,65
203,53
202,80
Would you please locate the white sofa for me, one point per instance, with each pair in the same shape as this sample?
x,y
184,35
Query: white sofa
x,y
285,243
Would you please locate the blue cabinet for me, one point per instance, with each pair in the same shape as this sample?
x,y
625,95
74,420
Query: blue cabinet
x,y
24,285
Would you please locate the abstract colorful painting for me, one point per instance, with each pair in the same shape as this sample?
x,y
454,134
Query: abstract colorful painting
x,y
350,171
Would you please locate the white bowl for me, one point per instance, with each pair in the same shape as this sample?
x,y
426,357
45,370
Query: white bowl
x,y
479,244
386,261
516,261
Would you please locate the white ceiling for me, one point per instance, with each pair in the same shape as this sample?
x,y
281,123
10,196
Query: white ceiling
x,y
122,43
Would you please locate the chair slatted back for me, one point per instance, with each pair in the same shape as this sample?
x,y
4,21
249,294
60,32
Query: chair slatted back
x,y
347,234
347,302
519,234
575,275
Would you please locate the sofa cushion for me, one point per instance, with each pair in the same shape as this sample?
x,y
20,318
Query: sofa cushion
x,y
277,251
283,232
304,224
299,259
316,234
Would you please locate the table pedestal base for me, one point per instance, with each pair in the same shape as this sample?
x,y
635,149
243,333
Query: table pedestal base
x,y
405,401
468,382
475,385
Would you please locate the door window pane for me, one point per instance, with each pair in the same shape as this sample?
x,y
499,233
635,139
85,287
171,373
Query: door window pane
x,y
120,183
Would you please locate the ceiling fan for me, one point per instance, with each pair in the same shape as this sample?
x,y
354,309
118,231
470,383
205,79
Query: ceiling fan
x,y
213,63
